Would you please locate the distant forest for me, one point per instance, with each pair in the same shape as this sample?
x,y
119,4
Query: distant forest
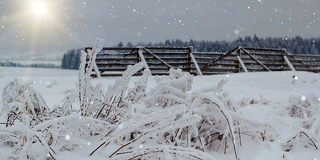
x,y
33,65
296,45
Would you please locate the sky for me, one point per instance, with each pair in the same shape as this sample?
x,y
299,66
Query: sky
x,y
54,26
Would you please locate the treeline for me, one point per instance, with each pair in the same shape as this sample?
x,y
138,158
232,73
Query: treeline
x,y
296,45
33,65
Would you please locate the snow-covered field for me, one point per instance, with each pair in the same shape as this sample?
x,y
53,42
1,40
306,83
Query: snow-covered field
x,y
273,115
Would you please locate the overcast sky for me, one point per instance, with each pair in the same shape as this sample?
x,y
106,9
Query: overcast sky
x,y
65,24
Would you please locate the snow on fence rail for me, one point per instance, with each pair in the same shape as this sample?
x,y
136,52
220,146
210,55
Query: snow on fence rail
x,y
113,61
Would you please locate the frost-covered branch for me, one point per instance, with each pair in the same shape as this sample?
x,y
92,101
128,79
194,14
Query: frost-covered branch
x,y
88,93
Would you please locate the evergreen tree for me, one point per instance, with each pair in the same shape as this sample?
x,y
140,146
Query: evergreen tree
x,y
129,44
71,59
120,44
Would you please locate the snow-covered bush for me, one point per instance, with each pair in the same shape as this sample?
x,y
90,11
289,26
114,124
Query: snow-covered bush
x,y
307,109
23,103
141,122
25,109
170,90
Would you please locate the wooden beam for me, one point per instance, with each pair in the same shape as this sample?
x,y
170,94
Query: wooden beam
x,y
168,48
158,58
255,59
263,49
242,64
219,58
118,60
288,63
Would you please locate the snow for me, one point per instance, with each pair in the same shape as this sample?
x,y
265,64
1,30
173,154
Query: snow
x,y
262,102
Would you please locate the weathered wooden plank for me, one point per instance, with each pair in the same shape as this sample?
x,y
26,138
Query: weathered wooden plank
x,y
266,64
221,64
261,58
171,53
303,65
218,73
171,63
169,58
270,54
208,53
117,59
106,64
112,69
165,68
264,49
167,48
304,55
304,60
221,69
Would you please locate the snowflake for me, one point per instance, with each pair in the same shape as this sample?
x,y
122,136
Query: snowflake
x,y
67,137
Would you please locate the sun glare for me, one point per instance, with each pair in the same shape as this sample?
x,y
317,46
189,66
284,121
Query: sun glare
x,y
39,8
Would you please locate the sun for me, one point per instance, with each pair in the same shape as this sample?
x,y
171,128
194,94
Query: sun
x,y
39,8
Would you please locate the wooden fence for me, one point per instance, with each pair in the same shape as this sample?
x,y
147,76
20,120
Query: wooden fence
x,y
113,61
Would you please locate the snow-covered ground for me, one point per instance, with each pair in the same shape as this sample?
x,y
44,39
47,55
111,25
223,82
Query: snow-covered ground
x,y
274,86
263,98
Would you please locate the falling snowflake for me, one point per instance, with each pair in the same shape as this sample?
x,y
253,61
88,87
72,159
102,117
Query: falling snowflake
x,y
67,137
236,31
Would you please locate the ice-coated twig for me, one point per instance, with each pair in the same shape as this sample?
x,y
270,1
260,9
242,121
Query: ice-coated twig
x,y
87,63
228,118
312,141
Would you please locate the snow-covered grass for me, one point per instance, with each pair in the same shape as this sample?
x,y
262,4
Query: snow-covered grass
x,y
266,115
